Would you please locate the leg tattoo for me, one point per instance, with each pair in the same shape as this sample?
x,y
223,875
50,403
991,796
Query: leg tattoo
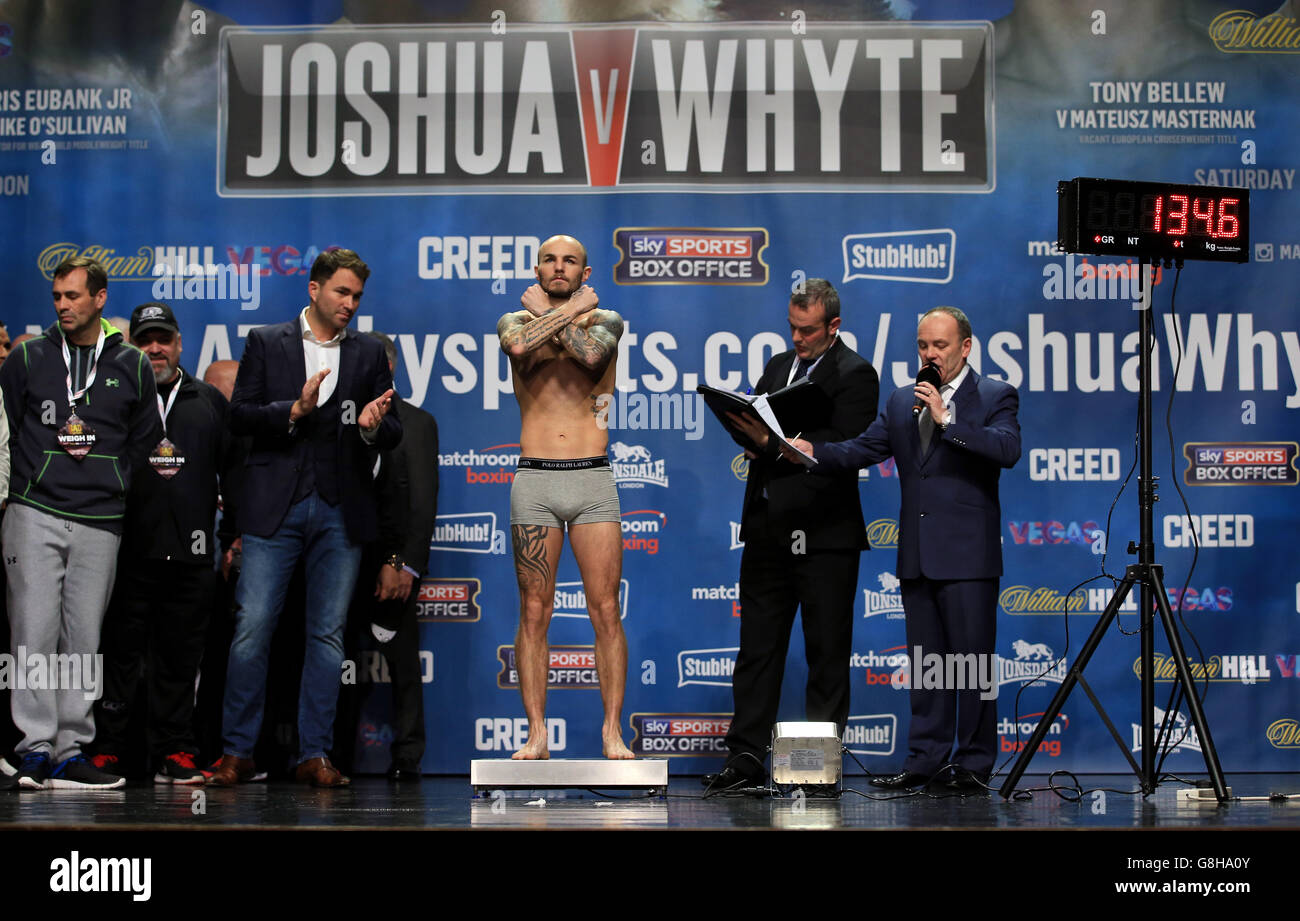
x,y
531,565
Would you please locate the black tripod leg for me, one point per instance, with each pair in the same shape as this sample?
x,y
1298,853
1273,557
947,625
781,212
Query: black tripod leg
x,y
1189,688
1072,677
1114,733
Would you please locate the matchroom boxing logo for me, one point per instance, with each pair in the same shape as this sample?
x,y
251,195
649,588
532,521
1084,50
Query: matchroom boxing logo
x,y
495,464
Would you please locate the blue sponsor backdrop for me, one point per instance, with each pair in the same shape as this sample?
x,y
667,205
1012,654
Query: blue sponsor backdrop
x,y
913,164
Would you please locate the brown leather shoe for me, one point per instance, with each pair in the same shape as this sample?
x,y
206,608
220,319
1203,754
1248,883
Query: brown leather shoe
x,y
320,773
233,770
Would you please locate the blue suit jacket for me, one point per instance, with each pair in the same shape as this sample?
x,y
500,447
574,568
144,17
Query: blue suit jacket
x,y
271,376
950,522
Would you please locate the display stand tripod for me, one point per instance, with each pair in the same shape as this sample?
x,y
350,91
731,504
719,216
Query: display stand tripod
x,y
1149,577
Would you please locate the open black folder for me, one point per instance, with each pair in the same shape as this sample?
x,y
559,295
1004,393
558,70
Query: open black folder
x,y
800,407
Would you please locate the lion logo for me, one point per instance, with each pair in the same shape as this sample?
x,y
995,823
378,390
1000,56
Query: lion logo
x,y
1035,651
629,454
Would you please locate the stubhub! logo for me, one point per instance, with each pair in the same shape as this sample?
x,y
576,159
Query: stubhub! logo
x,y
908,255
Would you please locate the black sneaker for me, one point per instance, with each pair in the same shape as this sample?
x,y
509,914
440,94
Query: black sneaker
x,y
34,771
109,764
78,773
179,767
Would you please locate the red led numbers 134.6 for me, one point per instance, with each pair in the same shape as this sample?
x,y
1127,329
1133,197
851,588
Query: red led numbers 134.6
x,y
1153,220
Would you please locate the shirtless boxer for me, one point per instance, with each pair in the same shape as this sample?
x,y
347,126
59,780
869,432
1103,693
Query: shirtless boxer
x,y
564,351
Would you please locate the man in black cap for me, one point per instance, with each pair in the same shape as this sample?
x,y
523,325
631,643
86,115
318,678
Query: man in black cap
x,y
159,613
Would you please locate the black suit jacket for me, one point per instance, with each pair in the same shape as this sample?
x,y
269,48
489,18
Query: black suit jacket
x,y
271,377
408,490
827,509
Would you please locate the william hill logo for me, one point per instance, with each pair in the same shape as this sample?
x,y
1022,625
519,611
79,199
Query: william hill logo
x,y
1240,31
1283,733
882,534
1234,669
120,268
1021,599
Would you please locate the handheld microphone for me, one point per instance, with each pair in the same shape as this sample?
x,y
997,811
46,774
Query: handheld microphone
x,y
929,374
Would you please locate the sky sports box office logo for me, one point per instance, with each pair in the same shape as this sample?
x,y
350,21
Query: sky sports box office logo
x,y
446,600
567,667
1252,463
690,256
681,734
752,107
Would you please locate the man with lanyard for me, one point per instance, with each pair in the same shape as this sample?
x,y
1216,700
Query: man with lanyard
x,y
82,408
166,578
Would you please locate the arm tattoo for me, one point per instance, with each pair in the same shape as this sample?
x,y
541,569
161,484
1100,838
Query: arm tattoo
x,y
517,329
593,347
532,568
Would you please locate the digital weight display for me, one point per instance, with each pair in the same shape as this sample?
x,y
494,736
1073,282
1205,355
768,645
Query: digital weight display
x,y
1154,220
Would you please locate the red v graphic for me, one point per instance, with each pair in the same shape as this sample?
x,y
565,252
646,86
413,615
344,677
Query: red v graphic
x,y
602,59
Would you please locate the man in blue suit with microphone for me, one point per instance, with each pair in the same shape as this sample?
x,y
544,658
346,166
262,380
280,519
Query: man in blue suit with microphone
x,y
950,441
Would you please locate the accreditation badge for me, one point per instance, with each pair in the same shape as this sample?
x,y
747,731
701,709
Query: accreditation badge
x,y
76,437
167,459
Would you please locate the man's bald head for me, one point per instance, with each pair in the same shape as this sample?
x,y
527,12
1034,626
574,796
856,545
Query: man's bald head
x,y
563,238
221,374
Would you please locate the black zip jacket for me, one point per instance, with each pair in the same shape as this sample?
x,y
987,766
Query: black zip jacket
x,y
121,407
171,518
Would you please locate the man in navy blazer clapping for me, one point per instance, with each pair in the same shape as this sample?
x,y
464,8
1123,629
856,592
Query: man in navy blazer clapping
x,y
316,399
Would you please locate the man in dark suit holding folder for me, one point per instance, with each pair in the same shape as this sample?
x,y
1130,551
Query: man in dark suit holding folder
x,y
951,440
803,540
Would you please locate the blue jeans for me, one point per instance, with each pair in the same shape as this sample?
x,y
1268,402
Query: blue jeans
x,y
314,531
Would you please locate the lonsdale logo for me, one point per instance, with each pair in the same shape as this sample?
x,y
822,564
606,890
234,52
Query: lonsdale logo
x,y
120,268
1241,31
1021,599
882,534
1283,733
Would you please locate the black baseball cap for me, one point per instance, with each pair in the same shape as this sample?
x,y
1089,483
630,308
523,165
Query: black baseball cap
x,y
154,315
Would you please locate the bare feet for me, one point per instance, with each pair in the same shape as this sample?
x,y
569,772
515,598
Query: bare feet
x,y
534,750
613,745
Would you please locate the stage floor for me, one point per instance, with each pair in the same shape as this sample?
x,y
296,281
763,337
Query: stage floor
x,y
449,803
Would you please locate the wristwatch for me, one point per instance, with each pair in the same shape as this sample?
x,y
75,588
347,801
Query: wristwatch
x,y
396,562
